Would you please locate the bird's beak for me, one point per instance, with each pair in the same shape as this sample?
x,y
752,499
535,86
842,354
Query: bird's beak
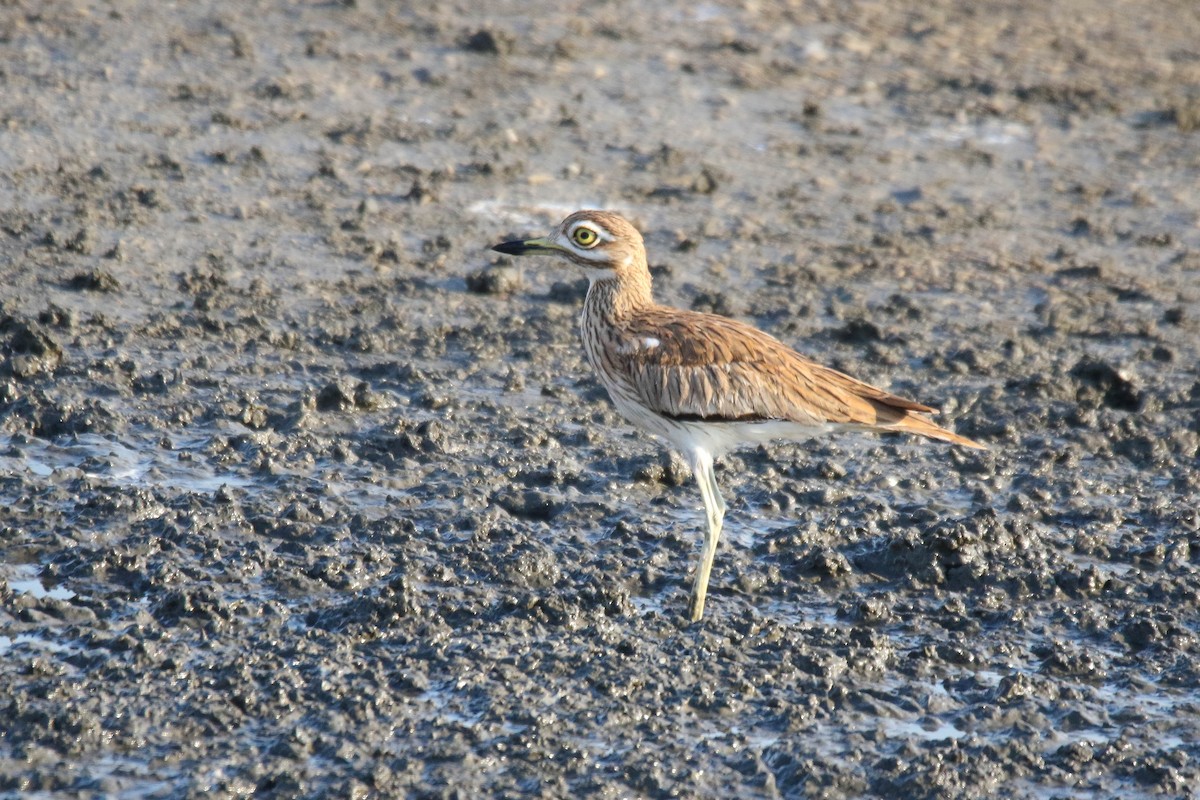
x,y
527,247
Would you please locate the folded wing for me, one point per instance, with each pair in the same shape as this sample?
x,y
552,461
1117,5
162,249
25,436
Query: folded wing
x,y
701,367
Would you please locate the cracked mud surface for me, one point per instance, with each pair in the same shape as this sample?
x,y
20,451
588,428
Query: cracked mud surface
x,y
307,493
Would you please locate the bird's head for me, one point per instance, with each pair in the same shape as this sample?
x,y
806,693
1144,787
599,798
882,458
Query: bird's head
x,y
604,245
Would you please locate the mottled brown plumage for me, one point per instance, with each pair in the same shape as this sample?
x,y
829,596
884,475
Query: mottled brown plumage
x,y
738,372
705,383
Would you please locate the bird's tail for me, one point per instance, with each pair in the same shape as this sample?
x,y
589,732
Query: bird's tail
x,y
914,423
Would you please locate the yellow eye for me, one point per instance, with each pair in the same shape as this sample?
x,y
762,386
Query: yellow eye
x,y
585,237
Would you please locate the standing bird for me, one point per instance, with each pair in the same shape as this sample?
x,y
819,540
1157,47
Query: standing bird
x,y
706,384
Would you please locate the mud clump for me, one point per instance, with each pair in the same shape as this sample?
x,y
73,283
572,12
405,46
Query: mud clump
x,y
30,351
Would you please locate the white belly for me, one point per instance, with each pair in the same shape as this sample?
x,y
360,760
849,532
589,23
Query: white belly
x,y
715,438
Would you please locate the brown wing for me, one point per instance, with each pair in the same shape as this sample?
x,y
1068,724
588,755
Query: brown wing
x,y
695,366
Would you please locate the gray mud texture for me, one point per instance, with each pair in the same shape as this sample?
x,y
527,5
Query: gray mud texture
x,y
306,493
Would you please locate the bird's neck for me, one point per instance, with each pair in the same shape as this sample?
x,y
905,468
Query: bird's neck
x,y
619,296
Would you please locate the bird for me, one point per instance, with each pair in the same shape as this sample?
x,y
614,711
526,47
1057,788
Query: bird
x,y
705,384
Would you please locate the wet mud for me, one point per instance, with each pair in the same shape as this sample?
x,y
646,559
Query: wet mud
x,y
306,493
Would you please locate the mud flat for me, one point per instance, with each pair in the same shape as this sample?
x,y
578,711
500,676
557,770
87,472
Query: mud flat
x,y
307,493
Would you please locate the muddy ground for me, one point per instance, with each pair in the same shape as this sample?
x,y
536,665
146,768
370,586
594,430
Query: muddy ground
x,y
307,493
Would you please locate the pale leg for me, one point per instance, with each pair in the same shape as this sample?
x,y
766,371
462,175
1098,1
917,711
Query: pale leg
x,y
714,507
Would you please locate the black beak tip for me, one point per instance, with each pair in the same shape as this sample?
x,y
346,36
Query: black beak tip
x,y
510,248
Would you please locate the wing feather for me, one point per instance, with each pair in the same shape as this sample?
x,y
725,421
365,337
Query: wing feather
x,y
689,365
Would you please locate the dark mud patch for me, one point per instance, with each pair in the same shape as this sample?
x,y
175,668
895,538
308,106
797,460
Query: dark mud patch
x,y
307,493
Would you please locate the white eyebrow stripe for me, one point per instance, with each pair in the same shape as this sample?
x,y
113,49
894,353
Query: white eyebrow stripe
x,y
600,232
